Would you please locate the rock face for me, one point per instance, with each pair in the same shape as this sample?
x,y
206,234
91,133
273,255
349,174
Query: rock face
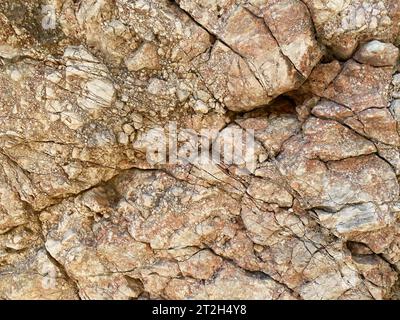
x,y
199,149
378,54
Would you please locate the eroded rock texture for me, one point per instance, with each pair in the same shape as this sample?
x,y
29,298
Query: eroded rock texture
x,y
85,86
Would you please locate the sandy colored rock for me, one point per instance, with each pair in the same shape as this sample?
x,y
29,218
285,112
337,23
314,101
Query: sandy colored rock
x,y
343,24
360,87
198,149
145,57
232,81
291,25
378,54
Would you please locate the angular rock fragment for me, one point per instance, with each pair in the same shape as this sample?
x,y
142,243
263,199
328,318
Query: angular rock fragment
x,y
326,109
342,24
232,81
278,177
357,218
378,54
321,76
272,54
337,183
292,27
272,130
270,192
249,37
146,57
328,140
201,265
379,124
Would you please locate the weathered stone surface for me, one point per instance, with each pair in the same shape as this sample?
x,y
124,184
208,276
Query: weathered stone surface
x,y
269,192
378,54
145,57
197,149
342,24
334,184
272,129
278,58
248,36
360,87
232,81
291,25
321,77
326,109
328,140
358,218
35,277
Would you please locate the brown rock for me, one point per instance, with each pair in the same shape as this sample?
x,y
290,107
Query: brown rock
x,y
360,87
326,109
343,24
321,76
378,54
269,192
94,204
292,27
202,265
328,140
232,81
380,125
145,57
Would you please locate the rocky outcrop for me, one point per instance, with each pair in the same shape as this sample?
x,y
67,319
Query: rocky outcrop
x,y
199,149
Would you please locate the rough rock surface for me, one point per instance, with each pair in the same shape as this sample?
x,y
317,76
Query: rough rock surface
x,y
310,210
